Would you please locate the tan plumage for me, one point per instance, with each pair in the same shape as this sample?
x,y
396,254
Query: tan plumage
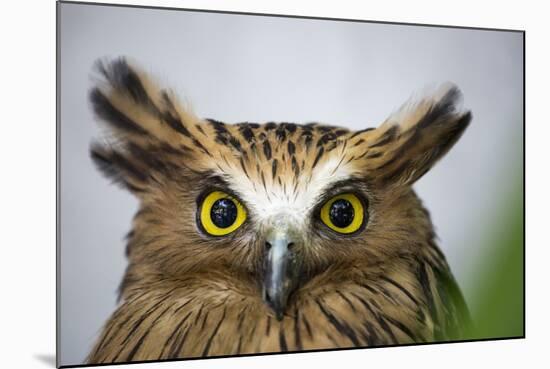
x,y
187,294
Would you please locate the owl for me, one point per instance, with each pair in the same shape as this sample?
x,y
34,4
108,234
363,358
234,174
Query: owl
x,y
256,238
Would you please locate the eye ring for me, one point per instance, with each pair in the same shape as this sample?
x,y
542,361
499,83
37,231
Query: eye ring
x,y
343,213
221,214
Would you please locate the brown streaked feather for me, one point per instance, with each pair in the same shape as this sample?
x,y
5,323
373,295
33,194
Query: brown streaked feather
x,y
412,140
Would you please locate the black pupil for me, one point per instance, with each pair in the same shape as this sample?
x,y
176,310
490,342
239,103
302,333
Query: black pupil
x,y
341,213
223,213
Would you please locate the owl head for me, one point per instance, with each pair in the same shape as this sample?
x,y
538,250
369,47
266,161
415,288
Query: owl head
x,y
272,211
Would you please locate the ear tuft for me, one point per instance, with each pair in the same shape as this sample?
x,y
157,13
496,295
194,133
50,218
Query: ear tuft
x,y
415,137
430,106
135,109
126,80
148,129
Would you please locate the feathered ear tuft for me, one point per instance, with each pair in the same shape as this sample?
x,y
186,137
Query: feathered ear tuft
x,y
137,110
147,127
414,138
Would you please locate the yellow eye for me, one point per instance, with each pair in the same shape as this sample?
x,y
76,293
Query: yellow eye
x,y
343,213
221,214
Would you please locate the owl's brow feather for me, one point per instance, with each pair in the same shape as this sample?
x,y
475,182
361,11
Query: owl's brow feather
x,y
332,189
213,181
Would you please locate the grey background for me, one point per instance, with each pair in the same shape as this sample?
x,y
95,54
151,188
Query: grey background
x,y
250,68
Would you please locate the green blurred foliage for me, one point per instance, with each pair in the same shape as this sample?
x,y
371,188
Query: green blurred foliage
x,y
499,296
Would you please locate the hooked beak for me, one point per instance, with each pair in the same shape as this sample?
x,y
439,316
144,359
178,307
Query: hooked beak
x,y
281,273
